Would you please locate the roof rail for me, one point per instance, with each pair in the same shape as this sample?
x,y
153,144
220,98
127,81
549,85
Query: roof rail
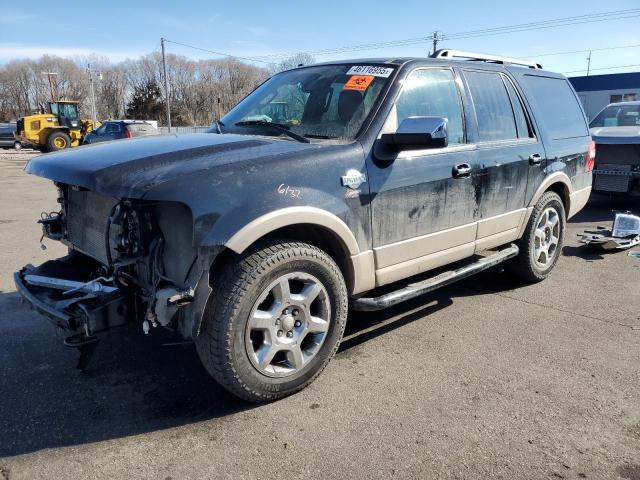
x,y
448,53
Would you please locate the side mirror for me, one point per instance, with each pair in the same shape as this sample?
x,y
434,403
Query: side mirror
x,y
417,133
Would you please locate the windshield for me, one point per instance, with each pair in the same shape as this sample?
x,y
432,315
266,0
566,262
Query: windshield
x,y
69,110
330,102
620,115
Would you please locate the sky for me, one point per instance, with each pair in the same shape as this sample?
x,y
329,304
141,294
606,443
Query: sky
x,y
252,29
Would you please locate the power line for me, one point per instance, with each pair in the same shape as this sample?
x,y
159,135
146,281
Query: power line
x,y
558,22
602,68
552,23
217,53
581,51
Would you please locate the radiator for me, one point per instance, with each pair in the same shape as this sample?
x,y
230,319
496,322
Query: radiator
x,y
87,216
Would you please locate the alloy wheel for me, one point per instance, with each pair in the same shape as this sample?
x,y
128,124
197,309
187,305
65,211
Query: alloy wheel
x,y
546,238
288,324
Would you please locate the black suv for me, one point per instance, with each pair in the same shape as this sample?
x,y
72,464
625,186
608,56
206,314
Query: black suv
x,y
119,129
329,186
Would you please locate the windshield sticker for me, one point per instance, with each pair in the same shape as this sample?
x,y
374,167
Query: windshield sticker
x,y
359,82
383,72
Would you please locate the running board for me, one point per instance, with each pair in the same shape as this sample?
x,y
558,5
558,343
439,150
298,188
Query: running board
x,y
413,290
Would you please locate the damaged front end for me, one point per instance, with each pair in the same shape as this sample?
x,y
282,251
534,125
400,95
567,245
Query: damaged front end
x,y
129,260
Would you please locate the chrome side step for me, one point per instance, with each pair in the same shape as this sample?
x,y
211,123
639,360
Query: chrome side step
x,y
413,290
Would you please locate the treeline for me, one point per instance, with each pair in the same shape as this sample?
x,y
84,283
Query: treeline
x,y
199,90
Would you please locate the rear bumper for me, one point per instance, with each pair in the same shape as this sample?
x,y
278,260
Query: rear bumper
x,y
86,312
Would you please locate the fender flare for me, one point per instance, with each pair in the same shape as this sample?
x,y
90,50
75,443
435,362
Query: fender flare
x,y
556,177
284,217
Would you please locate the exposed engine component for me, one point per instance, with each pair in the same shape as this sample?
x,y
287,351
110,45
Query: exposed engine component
x,y
52,225
167,302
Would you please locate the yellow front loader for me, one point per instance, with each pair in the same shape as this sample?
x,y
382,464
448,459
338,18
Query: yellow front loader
x,y
58,128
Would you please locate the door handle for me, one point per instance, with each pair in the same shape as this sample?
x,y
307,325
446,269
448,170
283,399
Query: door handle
x,y
535,159
462,170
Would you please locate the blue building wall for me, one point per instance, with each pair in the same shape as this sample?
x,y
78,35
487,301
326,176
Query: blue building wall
x,y
597,91
613,81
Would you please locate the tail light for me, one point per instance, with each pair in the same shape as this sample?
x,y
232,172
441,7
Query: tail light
x,y
591,157
128,133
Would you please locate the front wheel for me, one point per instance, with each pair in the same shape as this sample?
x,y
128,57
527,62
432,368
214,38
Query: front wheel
x,y
58,141
541,244
274,320
17,146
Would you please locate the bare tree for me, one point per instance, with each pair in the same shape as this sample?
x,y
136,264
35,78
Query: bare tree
x,y
292,62
199,91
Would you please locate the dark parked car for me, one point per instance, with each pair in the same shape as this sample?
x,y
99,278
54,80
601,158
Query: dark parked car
x,y
118,129
7,138
329,186
616,131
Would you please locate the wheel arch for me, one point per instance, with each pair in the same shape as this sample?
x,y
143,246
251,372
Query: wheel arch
x,y
558,182
317,227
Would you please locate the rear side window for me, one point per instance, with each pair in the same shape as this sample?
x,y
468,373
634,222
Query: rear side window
x,y
524,130
558,108
493,106
112,128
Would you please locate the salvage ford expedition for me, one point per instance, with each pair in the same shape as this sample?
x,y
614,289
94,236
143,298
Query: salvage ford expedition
x,y
356,184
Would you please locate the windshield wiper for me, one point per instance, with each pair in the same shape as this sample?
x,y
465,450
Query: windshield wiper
x,y
276,126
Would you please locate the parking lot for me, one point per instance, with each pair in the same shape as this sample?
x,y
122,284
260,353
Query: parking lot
x,y
486,378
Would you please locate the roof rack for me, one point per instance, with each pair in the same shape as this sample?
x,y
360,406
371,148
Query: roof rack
x,y
447,53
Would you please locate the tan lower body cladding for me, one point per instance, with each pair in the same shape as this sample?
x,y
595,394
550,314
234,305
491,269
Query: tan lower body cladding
x,y
411,257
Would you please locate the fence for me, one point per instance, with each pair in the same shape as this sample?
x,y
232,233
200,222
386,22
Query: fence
x,y
182,130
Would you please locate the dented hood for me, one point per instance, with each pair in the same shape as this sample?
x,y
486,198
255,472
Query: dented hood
x,y
130,168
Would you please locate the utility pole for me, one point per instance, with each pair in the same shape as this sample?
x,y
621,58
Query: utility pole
x,y
436,38
589,63
94,115
52,85
166,85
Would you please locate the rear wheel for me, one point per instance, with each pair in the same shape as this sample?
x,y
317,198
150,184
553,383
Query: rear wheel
x,y
58,141
274,320
541,245
17,146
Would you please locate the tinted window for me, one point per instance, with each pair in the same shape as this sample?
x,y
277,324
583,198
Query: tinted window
x,y
518,111
112,128
432,93
493,107
558,108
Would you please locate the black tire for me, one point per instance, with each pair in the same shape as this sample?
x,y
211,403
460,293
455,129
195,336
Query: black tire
x,y
17,146
525,266
237,290
58,141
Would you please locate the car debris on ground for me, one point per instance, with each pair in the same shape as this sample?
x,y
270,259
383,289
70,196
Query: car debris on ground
x,y
625,233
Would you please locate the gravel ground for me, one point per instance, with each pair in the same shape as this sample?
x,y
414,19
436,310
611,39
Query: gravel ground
x,y
484,379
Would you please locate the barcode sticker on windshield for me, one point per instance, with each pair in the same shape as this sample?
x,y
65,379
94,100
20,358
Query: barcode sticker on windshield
x,y
372,70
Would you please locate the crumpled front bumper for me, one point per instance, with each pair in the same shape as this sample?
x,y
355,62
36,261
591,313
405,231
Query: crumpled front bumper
x,y
87,312
57,317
